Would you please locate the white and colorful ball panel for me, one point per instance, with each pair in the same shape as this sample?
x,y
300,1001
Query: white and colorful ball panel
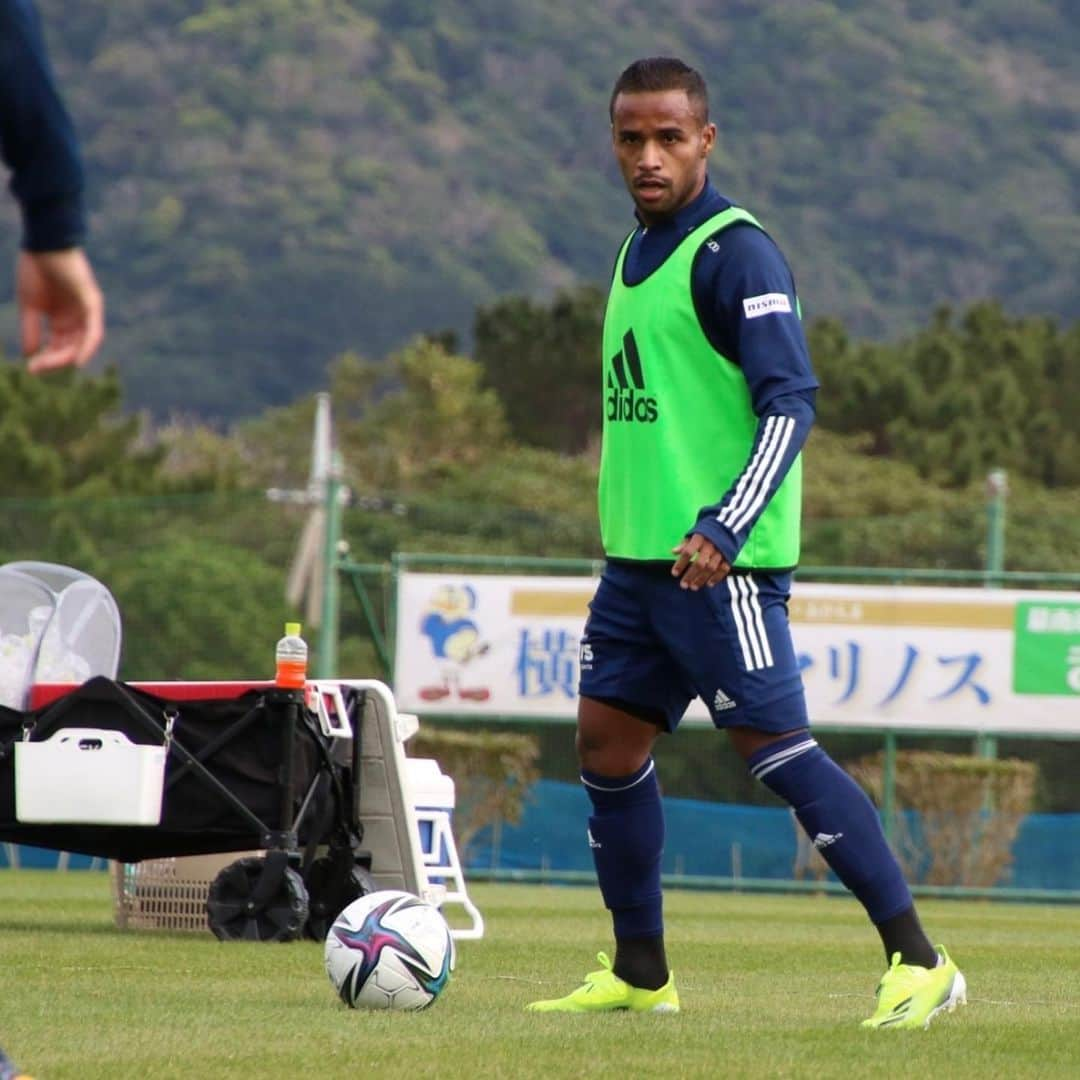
x,y
389,950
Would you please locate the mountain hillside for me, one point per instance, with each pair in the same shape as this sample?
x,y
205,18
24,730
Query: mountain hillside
x,y
274,181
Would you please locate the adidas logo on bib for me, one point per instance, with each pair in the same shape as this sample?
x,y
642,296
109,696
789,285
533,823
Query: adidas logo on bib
x,y
627,398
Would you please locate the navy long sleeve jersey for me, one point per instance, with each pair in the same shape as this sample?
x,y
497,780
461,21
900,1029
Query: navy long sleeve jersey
x,y
37,140
745,299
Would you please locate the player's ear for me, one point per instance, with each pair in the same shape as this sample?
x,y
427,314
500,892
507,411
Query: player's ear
x,y
708,139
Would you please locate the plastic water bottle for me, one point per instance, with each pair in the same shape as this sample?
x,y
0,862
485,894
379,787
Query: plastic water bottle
x,y
291,657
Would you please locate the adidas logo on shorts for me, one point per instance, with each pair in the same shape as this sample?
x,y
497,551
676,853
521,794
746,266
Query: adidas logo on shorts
x,y
722,702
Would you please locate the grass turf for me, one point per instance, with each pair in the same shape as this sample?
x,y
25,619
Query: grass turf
x,y
771,986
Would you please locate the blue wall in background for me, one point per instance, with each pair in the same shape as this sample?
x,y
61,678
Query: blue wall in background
x,y
704,839
727,840
32,858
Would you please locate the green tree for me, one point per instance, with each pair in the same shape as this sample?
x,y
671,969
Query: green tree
x,y
194,609
863,388
65,433
429,461
1052,434
544,362
964,395
273,182
423,417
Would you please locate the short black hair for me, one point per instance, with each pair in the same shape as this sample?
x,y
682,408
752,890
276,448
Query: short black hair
x,y
655,73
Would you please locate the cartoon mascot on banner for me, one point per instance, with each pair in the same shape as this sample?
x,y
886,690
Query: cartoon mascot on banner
x,y
455,641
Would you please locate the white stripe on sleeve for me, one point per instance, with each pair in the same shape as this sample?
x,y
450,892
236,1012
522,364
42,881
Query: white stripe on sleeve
x,y
763,477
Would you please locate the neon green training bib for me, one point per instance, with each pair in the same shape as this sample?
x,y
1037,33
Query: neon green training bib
x,y
678,421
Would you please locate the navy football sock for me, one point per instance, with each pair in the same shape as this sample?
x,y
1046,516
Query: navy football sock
x,y
844,825
626,834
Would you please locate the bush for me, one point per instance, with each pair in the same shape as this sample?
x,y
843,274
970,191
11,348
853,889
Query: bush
x,y
965,813
492,775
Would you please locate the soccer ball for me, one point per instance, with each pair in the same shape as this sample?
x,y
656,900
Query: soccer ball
x,y
389,950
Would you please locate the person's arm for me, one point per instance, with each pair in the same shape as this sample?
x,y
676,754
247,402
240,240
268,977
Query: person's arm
x,y
781,433
61,308
37,140
745,297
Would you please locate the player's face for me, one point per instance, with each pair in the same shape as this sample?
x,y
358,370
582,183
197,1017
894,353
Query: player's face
x,y
662,147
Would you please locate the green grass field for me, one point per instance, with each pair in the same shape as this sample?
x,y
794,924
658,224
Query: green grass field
x,y
771,986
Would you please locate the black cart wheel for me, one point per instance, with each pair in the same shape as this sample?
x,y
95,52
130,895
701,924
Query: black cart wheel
x,y
258,899
331,889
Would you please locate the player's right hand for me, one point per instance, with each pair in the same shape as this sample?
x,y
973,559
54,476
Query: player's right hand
x,y
61,308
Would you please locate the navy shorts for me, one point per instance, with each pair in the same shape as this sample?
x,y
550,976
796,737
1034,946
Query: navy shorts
x,y
649,643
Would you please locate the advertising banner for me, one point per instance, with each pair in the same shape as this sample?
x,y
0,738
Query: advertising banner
x,y
991,660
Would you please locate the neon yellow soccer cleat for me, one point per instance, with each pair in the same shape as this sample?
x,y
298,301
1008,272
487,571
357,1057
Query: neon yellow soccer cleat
x,y
910,997
604,991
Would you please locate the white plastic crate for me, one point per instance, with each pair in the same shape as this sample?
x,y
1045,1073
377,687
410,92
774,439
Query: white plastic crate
x,y
430,790
89,776
433,798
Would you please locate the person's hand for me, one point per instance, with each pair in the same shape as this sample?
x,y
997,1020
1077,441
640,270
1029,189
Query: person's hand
x,y
699,563
61,308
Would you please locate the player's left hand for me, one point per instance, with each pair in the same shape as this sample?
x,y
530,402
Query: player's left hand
x,y
699,563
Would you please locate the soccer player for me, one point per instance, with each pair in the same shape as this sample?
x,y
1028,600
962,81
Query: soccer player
x,y
61,308
8,1071
708,399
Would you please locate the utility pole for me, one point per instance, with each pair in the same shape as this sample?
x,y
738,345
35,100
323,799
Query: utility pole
x,y
326,660
312,579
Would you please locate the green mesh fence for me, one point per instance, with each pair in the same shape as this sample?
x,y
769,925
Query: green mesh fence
x,y
200,583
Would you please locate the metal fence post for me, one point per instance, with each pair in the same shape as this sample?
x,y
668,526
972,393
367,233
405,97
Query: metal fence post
x,y
888,787
997,487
